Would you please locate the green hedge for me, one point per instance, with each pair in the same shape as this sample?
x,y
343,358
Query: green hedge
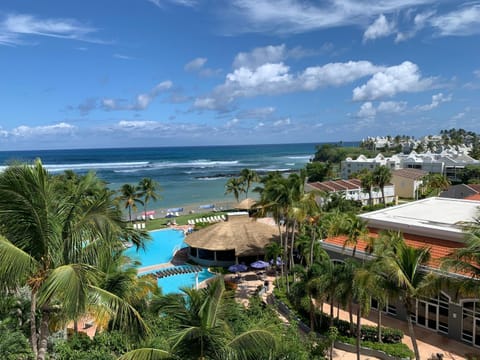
x,y
399,350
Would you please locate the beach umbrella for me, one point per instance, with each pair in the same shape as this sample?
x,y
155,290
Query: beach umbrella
x,y
238,268
279,261
260,264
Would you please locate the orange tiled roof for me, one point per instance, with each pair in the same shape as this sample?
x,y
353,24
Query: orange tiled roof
x,y
438,248
475,197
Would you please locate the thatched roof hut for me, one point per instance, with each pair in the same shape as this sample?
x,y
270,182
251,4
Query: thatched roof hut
x,y
246,204
226,241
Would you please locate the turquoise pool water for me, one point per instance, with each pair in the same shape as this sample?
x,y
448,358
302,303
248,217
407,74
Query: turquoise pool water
x,y
160,250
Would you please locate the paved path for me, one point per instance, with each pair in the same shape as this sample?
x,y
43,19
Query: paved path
x,y
429,342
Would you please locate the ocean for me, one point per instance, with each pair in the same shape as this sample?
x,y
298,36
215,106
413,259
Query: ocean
x,y
187,175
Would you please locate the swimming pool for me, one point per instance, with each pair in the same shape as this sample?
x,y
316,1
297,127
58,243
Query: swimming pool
x,y
161,250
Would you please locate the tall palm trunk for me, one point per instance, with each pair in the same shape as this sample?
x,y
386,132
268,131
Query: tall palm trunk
x,y
359,330
43,341
33,322
285,256
379,330
280,233
312,315
331,311
350,315
312,247
382,189
292,243
411,331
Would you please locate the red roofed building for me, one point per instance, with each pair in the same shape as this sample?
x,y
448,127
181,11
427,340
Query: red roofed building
x,y
352,190
435,223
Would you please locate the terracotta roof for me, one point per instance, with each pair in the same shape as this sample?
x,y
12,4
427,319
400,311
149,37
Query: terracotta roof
x,y
244,235
475,197
337,185
414,174
474,187
438,248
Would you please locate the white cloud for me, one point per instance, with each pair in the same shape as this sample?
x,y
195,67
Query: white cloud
x,y
296,16
195,64
391,106
259,113
56,129
136,124
437,99
405,77
367,110
187,3
458,116
379,28
276,78
260,56
465,21
232,123
142,101
122,57
282,122
14,26
477,73
419,22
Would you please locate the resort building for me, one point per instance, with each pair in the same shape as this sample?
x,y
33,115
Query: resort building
x,y
350,166
408,182
449,162
236,240
435,223
352,190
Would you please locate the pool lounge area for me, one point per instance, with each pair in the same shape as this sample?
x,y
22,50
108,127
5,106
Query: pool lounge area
x,y
159,252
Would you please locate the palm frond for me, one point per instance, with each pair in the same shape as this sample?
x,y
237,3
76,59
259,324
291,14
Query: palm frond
x,y
146,354
15,264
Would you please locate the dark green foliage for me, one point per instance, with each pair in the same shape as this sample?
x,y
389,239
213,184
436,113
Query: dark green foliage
x,y
399,350
105,346
333,153
318,171
470,174
14,344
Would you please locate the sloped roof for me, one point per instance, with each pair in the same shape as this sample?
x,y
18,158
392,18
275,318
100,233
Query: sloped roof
x,y
438,248
414,174
246,236
337,185
475,197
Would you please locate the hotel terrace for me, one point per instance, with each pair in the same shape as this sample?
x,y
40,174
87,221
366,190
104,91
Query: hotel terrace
x,y
435,223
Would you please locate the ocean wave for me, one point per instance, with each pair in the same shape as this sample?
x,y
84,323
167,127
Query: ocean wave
x,y
91,166
209,178
263,170
300,157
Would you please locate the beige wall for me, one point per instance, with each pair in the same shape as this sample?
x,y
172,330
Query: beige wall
x,y
404,188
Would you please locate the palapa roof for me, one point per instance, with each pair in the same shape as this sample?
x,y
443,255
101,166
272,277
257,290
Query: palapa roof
x,y
246,204
246,236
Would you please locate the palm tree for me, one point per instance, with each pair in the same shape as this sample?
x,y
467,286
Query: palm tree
x,y
203,331
248,177
382,176
148,190
403,265
234,186
130,196
355,228
55,235
367,182
433,184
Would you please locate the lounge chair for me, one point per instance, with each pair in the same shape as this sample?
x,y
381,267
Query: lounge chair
x,y
224,218
151,217
143,225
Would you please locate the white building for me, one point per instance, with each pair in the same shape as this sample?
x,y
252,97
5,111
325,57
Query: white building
x,y
350,166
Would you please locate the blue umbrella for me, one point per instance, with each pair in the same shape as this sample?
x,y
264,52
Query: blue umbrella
x,y
238,268
279,261
260,264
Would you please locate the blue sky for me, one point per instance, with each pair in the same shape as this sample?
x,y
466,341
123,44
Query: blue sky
x,y
191,72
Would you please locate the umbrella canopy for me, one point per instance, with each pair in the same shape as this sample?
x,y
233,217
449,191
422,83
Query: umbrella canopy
x,y
246,204
238,268
260,264
279,261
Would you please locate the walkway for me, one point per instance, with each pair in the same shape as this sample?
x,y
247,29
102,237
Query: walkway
x,y
429,342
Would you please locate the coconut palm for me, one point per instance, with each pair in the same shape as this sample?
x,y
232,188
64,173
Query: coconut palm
x,y
403,265
355,228
234,186
433,184
382,176
55,235
367,183
131,197
203,331
148,190
248,177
